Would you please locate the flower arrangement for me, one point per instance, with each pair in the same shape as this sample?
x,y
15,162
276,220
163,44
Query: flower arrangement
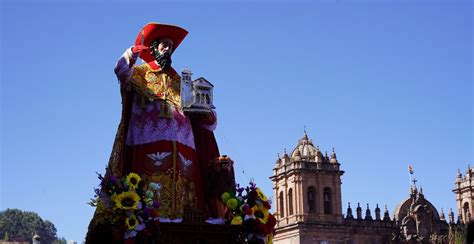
x,y
250,209
133,205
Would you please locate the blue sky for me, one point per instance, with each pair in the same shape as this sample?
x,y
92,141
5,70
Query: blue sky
x,y
386,83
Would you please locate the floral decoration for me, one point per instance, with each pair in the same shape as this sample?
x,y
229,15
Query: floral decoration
x,y
251,209
131,204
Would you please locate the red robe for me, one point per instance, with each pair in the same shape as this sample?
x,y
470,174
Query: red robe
x,y
156,140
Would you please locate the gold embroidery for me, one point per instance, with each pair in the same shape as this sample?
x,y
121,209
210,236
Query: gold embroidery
x,y
117,148
183,194
177,190
179,197
191,197
165,111
156,85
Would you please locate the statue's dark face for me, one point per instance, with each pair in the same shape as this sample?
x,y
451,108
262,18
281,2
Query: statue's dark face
x,y
162,49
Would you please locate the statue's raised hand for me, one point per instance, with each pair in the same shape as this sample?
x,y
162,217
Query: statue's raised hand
x,y
139,48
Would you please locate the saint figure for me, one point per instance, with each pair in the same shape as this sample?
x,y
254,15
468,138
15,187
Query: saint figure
x,y
155,138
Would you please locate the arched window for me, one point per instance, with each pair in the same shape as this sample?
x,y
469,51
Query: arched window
x,y
311,199
327,197
290,201
467,214
282,209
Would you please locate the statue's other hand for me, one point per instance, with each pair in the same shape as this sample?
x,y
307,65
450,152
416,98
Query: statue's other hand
x,y
139,48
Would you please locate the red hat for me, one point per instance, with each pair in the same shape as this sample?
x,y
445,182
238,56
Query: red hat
x,y
152,31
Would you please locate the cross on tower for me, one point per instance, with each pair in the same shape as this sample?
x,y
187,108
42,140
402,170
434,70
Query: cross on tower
x,y
414,182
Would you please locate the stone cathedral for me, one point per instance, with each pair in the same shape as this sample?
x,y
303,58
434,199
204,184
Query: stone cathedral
x,y
307,196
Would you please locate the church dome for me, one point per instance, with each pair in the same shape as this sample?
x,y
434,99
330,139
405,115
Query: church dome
x,y
415,200
305,148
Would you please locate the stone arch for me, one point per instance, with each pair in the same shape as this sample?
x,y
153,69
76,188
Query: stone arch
x,y
282,208
327,200
465,212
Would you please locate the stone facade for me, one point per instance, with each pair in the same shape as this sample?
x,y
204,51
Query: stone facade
x,y
320,194
418,220
464,190
307,196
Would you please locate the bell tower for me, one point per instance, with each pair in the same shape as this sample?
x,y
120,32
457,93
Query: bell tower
x,y
463,189
307,186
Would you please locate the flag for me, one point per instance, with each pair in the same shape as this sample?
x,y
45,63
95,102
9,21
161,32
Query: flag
x,y
410,169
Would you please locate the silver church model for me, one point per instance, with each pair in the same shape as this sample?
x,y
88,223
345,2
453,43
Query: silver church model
x,y
196,95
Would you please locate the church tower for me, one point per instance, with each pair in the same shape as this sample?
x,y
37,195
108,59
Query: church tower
x,y
464,190
307,186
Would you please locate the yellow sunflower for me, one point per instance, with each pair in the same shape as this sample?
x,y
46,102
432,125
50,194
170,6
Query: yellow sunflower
x,y
261,213
113,197
131,222
261,195
127,200
132,180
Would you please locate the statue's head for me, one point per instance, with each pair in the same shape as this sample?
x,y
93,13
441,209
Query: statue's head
x,y
161,49
162,39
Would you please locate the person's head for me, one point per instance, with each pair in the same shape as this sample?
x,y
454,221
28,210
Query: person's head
x,y
162,45
162,39
161,49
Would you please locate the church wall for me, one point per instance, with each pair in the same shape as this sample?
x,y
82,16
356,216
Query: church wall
x,y
465,196
320,181
287,235
332,182
306,183
320,234
299,201
463,199
291,184
292,215
342,234
284,184
279,188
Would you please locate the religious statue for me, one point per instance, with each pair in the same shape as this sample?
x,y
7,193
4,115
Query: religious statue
x,y
159,141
